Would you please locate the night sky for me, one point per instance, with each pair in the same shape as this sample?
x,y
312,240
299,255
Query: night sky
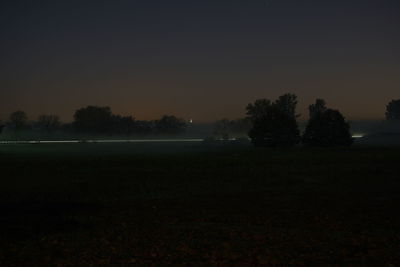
x,y
204,59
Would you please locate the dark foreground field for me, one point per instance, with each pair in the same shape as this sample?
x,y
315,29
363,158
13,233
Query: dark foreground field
x,y
159,204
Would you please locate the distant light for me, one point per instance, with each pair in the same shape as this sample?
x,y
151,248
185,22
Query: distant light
x,y
358,135
191,121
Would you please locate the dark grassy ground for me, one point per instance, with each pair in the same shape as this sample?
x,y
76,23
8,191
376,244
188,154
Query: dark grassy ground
x,y
158,204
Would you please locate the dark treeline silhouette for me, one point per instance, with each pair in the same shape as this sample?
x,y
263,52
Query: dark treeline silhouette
x,y
18,122
274,124
100,120
94,120
268,123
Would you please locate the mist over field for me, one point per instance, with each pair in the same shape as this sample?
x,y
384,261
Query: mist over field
x,y
199,133
367,132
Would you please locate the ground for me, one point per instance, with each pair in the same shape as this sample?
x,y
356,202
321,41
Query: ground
x,y
198,204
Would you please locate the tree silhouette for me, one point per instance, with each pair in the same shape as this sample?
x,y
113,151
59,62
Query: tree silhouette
x,y
288,103
48,123
274,124
258,109
123,124
326,128
393,110
93,119
18,121
170,125
317,108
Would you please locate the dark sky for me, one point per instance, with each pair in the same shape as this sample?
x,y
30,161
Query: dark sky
x,y
202,59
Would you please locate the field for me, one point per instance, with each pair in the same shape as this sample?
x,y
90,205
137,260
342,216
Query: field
x,y
198,204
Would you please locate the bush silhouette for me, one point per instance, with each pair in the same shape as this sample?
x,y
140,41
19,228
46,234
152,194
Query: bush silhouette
x,y
327,128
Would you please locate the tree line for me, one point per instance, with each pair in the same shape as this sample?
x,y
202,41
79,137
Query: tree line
x,y
267,123
96,121
274,124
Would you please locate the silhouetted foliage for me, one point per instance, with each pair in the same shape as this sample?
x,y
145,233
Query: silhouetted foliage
x,y
1,128
317,108
48,123
18,121
274,124
123,124
326,128
100,120
393,110
170,125
288,103
93,119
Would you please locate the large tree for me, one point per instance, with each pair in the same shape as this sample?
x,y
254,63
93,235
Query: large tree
x,y
92,119
326,128
274,123
393,110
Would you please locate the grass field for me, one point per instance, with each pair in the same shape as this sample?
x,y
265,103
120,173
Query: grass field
x,y
196,204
